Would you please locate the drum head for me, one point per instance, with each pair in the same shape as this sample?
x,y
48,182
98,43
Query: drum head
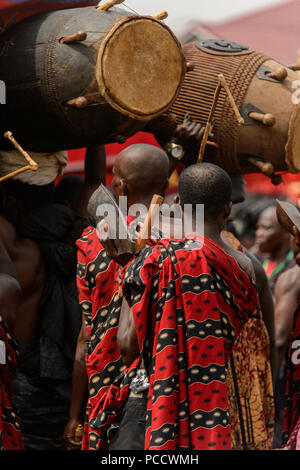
x,y
292,151
140,67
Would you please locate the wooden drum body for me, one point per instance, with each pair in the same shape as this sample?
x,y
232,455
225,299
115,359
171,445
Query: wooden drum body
x,y
103,88
248,74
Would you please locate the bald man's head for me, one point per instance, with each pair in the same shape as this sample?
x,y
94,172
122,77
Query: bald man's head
x,y
141,170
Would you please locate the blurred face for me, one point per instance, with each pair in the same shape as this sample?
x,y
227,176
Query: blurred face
x,y
269,235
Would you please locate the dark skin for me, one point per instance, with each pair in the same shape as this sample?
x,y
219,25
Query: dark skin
x,y
138,182
189,135
287,297
27,256
10,290
267,309
29,266
79,389
213,226
270,237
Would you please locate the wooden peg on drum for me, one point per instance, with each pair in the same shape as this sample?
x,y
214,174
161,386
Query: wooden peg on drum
x,y
266,168
280,74
80,102
190,66
76,37
266,119
161,16
109,5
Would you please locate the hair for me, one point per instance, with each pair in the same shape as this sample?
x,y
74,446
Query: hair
x,y
68,189
205,184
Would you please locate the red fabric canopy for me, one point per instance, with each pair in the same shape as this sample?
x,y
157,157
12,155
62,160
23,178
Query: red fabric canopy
x,y
14,11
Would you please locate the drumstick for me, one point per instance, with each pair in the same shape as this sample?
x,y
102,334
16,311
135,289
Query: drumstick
x,y
32,163
221,84
109,4
146,229
222,80
33,166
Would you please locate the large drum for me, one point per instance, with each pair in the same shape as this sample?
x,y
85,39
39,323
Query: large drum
x,y
103,86
263,91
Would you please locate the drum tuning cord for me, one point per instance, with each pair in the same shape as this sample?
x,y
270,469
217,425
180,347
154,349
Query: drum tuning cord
x,y
129,8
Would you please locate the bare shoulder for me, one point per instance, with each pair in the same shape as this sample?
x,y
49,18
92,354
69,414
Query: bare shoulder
x,y
290,279
243,261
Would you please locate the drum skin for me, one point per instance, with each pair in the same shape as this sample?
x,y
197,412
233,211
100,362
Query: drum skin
x,y
111,69
244,71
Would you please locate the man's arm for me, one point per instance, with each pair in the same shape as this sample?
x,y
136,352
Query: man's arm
x,y
10,290
267,308
286,302
95,173
79,389
126,337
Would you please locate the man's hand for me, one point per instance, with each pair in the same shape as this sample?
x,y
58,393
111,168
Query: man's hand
x,y
69,435
189,133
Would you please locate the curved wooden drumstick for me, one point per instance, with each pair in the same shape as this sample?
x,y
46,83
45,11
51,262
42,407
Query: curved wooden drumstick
x,y
146,228
33,166
106,6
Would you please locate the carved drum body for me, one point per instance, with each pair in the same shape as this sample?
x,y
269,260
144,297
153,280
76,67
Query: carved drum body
x,y
271,129
102,88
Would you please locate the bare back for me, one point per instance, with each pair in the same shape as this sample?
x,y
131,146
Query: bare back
x,y
29,264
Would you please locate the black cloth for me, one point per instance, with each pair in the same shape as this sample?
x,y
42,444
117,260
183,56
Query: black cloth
x,y
55,228
43,386
131,433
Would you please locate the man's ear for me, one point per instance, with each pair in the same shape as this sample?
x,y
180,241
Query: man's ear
x,y
123,187
177,199
227,209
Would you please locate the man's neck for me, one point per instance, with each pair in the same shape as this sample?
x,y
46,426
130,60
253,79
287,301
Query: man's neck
x,y
279,254
212,230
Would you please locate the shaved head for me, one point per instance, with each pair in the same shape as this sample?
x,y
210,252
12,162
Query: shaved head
x,y
144,168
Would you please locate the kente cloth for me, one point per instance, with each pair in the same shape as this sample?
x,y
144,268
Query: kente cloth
x,y
98,291
99,298
10,434
292,410
14,11
193,306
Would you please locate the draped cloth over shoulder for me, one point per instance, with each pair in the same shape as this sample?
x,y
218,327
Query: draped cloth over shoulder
x,y
195,313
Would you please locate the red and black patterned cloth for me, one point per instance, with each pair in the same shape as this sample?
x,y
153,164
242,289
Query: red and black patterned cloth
x,y
99,299
191,307
291,421
98,291
10,434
